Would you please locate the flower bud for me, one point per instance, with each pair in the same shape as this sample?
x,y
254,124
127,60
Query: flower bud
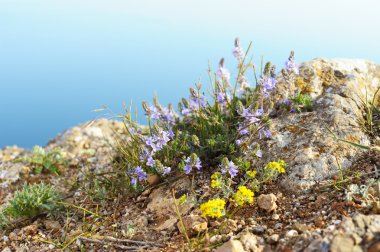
x,y
145,107
185,103
267,68
239,107
195,140
193,159
225,163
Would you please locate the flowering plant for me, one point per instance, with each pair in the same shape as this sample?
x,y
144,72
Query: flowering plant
x,y
221,131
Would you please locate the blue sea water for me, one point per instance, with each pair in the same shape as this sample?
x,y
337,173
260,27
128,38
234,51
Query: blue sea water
x,y
62,59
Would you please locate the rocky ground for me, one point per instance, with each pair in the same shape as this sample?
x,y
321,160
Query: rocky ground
x,y
314,207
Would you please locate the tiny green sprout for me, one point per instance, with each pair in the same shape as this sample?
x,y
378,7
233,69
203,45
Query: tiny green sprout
x,y
42,160
31,201
303,102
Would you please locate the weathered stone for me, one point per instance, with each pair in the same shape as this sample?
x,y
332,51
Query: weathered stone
x,y
231,246
303,139
228,226
291,233
12,236
193,224
11,172
374,247
52,225
267,202
6,249
258,230
30,230
342,243
249,241
162,202
273,239
301,228
215,238
153,179
168,225
318,245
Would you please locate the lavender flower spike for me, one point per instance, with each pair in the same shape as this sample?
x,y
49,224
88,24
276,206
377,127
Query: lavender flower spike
x,y
187,167
238,51
140,173
259,153
291,65
232,169
198,164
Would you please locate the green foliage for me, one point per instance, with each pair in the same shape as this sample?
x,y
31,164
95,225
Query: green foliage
x,y
302,102
42,160
299,103
220,132
31,201
370,121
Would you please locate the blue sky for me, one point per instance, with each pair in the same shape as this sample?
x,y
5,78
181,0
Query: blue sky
x,y
59,60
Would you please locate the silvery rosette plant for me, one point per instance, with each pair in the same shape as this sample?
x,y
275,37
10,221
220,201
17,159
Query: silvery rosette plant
x,y
204,131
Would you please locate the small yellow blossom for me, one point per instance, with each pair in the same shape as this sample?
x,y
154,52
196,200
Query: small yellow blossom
x,y
276,166
215,183
243,195
213,208
182,200
216,175
251,174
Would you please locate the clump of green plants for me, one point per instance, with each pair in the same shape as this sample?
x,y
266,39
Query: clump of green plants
x,y
370,122
30,201
42,160
219,135
204,131
299,103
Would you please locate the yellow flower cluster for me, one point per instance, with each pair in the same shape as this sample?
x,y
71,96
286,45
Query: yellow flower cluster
x,y
243,195
183,199
215,180
251,174
213,208
215,183
276,166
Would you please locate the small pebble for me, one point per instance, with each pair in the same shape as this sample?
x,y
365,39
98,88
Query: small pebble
x,y
275,216
291,233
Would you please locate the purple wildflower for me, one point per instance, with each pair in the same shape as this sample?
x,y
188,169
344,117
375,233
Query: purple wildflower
x,y
268,83
243,131
246,112
165,136
151,141
171,134
259,112
167,170
198,164
134,181
168,116
154,113
238,142
238,51
286,102
223,74
291,65
140,173
187,167
232,169
185,111
259,153
267,133
220,97
150,162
